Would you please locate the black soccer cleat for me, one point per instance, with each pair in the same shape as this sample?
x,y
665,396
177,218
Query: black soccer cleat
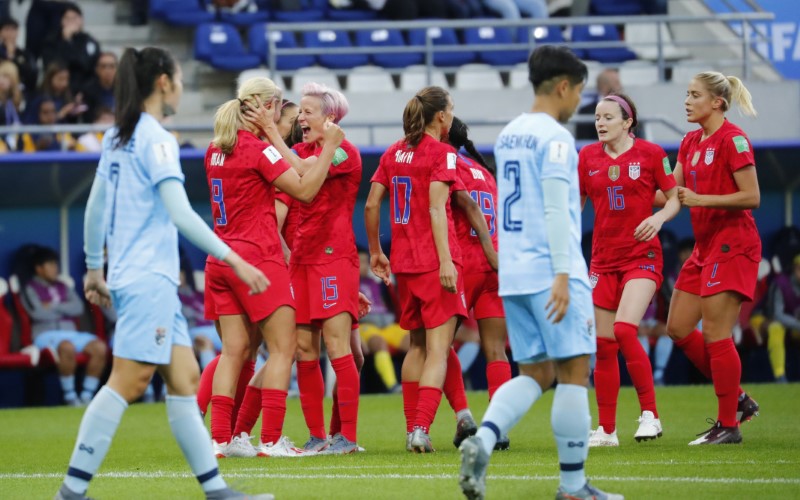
x,y
719,435
465,427
747,409
503,443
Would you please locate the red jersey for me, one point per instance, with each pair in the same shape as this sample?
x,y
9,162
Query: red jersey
x,y
483,189
708,167
408,173
622,191
243,199
325,231
292,221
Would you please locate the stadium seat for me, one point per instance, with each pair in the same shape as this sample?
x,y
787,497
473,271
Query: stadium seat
x,y
415,77
219,45
638,73
616,7
602,33
315,74
478,77
442,37
259,45
10,359
245,18
369,79
333,39
387,38
352,14
543,35
310,11
488,35
180,12
643,40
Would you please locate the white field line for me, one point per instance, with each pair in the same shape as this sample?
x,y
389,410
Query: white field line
x,y
448,477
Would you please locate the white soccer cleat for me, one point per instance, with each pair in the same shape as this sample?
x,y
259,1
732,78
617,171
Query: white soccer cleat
x,y
649,427
220,449
241,447
599,438
285,448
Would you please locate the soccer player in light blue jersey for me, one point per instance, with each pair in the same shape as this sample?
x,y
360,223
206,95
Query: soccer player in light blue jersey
x,y
136,207
543,278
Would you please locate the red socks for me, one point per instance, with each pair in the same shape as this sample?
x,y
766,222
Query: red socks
x,y
221,411
726,371
454,383
249,411
694,347
428,403
206,384
606,383
273,404
410,399
639,367
336,422
349,387
312,390
497,374
248,369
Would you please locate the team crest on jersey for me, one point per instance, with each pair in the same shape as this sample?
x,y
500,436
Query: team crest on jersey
x,y
695,158
709,156
634,169
613,172
161,335
593,278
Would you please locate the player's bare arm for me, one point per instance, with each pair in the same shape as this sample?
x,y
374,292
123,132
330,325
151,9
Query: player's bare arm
x,y
378,261
649,228
305,188
748,196
478,222
439,196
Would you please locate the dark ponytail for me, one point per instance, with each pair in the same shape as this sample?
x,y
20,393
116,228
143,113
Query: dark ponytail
x,y
136,75
459,138
420,110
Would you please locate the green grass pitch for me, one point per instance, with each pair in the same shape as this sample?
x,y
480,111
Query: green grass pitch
x,y
144,461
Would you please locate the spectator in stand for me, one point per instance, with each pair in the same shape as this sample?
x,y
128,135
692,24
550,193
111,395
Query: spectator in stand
x,y
46,141
607,82
54,308
401,10
93,141
9,50
202,331
99,92
76,48
379,329
515,9
10,100
55,87
44,19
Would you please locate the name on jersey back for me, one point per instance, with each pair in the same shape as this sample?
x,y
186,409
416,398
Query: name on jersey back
x,y
513,141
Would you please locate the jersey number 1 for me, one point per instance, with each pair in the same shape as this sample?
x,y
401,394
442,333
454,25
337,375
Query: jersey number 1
x,y
218,198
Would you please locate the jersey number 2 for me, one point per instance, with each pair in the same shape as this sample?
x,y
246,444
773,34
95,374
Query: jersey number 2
x,y
511,171
401,214
219,198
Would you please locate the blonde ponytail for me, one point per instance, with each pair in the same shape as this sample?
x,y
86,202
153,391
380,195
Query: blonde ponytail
x,y
741,96
229,118
730,89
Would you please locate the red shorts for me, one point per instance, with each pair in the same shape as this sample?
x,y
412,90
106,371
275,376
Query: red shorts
x,y
424,303
739,274
607,287
323,291
480,291
226,294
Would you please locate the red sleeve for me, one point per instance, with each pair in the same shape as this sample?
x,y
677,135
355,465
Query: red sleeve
x,y
462,169
346,160
284,198
445,166
738,151
380,174
582,172
663,170
271,164
682,152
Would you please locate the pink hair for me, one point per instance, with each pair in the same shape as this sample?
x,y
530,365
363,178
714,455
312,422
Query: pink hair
x,y
333,102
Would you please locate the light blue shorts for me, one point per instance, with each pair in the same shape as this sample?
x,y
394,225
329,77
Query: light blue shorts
x,y
208,331
149,320
534,338
51,340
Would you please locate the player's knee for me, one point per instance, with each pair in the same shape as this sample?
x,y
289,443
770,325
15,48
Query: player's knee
x,y
494,351
203,343
377,343
96,350
66,349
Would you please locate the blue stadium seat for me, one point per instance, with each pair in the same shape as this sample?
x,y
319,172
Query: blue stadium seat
x,y
387,38
328,39
487,35
601,33
616,7
219,45
248,18
352,15
258,43
180,12
545,35
442,37
312,10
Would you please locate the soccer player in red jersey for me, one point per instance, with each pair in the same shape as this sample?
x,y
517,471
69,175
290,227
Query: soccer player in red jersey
x,y
717,168
621,174
418,173
243,172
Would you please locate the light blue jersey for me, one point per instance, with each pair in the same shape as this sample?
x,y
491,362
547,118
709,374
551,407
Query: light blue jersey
x,y
534,147
140,236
